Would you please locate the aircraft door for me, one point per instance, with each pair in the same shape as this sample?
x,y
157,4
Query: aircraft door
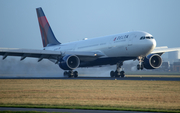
x,y
130,40
129,48
110,45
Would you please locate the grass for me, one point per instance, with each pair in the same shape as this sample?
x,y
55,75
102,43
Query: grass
x,y
91,94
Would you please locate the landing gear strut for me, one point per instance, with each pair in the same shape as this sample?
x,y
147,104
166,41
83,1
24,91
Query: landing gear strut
x,y
118,73
140,66
71,74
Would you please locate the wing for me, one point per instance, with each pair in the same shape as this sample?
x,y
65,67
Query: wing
x,y
46,54
161,50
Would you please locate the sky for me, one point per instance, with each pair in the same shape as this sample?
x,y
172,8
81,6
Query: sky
x,y
73,20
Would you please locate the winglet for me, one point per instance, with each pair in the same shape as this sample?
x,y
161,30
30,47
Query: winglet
x,y
47,34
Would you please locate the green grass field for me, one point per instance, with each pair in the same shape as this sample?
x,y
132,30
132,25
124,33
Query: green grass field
x,y
91,94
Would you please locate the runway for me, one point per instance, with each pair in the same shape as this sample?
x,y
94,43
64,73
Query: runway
x,y
66,110
159,78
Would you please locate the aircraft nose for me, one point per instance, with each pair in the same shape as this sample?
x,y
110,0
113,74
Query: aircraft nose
x,y
151,45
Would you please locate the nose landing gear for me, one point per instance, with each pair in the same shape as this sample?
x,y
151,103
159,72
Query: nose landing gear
x,y
118,72
140,66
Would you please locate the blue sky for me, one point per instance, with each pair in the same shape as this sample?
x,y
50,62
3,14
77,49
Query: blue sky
x,y
73,20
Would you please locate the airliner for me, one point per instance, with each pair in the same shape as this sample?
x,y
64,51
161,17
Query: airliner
x,y
106,50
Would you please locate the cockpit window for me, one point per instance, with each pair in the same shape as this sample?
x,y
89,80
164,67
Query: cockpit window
x,y
146,37
142,38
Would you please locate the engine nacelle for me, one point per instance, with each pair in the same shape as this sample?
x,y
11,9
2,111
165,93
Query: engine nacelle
x,y
152,61
69,62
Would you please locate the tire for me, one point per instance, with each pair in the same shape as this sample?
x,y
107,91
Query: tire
x,y
69,74
116,74
75,74
122,74
112,73
138,67
65,73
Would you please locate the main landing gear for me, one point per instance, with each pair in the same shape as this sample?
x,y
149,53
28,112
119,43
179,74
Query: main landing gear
x,y
71,74
118,73
140,66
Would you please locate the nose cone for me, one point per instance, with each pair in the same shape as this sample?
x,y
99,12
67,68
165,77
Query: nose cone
x,y
150,45
153,44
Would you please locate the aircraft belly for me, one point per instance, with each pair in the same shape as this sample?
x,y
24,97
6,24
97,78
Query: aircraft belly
x,y
105,61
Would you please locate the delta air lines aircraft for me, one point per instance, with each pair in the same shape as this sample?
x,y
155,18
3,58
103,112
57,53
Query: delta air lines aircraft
x,y
107,50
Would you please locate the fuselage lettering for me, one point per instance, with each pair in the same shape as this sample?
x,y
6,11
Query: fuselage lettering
x,y
121,37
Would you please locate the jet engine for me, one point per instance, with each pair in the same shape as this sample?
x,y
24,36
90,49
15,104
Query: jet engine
x,y
69,62
152,61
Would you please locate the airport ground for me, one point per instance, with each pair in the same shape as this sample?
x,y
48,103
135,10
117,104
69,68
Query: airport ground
x,y
141,93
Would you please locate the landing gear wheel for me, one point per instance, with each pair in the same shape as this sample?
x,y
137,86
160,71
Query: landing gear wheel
x,y
140,66
118,73
122,74
65,73
71,74
112,73
75,74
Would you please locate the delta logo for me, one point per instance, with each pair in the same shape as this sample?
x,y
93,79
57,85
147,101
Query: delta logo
x,y
121,37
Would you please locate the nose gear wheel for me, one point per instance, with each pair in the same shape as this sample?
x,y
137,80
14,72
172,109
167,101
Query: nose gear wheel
x,y
140,66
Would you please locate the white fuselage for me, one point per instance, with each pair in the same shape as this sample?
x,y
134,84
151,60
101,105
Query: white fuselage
x,y
119,45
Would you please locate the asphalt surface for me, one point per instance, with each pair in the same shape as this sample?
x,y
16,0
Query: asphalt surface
x,y
66,110
102,78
